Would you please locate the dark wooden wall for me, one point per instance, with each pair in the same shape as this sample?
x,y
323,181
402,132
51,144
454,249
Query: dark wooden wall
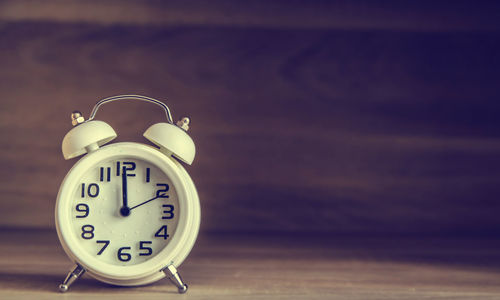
x,y
309,117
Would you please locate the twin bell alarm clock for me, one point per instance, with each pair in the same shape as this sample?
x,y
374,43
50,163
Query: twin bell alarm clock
x,y
127,213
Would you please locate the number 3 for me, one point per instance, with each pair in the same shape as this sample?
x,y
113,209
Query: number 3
x,y
169,211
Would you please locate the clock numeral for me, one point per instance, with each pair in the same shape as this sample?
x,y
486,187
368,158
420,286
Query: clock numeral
x,y
108,174
169,211
162,193
92,190
162,232
106,244
128,166
148,174
142,246
122,256
87,232
84,208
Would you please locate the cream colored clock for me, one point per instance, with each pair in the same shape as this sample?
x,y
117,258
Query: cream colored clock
x,y
127,213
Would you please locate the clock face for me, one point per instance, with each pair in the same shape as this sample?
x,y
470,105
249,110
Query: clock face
x,y
124,211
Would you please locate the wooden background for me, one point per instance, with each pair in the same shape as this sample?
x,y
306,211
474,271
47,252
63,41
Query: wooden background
x,y
358,118
345,150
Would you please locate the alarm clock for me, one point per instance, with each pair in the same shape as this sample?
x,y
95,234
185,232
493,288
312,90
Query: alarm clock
x,y
127,213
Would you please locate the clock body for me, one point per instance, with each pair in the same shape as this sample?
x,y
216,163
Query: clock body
x,y
160,229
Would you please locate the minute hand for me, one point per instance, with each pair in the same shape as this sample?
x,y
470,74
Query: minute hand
x,y
124,210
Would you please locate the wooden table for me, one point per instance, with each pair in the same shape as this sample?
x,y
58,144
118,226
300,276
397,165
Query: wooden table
x,y
32,264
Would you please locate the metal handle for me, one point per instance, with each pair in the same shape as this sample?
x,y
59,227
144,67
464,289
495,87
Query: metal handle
x,y
131,97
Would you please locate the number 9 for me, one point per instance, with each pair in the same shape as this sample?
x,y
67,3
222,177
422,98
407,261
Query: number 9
x,y
82,207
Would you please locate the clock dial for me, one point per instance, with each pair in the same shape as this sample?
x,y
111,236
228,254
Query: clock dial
x,y
124,211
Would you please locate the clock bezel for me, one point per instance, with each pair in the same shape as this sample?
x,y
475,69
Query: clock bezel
x,y
182,240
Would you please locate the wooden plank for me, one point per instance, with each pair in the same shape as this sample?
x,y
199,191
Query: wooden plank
x,y
353,15
274,267
296,130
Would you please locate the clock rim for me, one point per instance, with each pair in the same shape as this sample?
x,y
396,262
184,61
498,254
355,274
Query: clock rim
x,y
183,238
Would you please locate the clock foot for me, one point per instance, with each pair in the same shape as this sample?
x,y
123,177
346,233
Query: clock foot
x,y
175,278
72,276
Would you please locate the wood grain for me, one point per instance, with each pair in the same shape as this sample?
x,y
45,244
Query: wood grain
x,y
425,15
297,130
274,267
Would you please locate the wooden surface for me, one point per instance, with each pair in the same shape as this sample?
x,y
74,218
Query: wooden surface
x,y
356,130
32,265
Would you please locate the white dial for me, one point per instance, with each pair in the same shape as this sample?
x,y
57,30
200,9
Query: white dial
x,y
124,218
127,240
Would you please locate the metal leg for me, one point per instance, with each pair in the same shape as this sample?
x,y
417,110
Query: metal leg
x,y
175,278
72,276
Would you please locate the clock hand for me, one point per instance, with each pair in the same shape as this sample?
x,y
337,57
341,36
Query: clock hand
x,y
124,210
145,202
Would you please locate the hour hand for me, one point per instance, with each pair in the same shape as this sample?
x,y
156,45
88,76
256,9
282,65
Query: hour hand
x,y
147,201
124,210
